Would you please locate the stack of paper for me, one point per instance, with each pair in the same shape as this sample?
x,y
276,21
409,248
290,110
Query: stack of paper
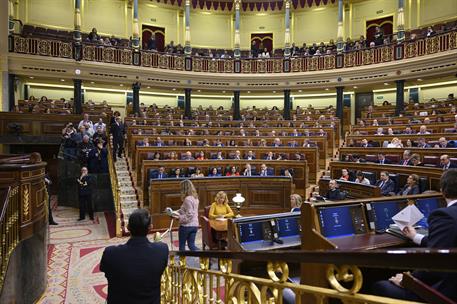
x,y
408,216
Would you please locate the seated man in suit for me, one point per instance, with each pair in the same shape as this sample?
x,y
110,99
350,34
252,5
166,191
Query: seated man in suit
x,y
406,161
159,142
264,171
248,170
364,143
269,156
443,143
423,130
293,143
188,156
158,174
144,143
237,155
218,156
333,192
382,159
134,269
411,187
445,162
277,142
442,233
386,184
250,155
422,143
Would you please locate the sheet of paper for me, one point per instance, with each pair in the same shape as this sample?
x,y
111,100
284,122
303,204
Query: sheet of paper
x,y
222,219
408,216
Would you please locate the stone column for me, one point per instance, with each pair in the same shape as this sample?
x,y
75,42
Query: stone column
x,y
287,32
77,40
135,27
339,105
236,105
187,103
136,97
77,96
339,39
400,104
286,111
401,21
236,49
187,46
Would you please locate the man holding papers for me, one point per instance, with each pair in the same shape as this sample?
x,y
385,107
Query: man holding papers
x,y
442,233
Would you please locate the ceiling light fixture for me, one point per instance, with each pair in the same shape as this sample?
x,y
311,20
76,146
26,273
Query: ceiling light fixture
x,y
355,87
386,83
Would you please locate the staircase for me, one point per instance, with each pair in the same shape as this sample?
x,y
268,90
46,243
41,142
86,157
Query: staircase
x,y
127,194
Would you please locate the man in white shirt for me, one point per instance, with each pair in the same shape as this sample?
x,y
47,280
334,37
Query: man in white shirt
x,y
100,123
85,121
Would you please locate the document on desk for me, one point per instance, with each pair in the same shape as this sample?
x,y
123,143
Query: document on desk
x,y
408,216
222,219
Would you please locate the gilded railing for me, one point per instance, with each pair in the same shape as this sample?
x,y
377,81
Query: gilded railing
x,y
184,284
115,191
126,56
10,223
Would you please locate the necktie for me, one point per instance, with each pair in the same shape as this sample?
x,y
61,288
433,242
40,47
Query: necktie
x,y
381,185
382,162
160,175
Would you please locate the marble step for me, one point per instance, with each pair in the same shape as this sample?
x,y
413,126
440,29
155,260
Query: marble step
x,y
123,174
129,205
130,191
128,197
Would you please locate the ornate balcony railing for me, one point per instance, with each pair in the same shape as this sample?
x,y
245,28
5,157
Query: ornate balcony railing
x,y
184,284
149,59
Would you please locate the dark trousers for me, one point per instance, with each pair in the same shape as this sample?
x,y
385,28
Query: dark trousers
x,y
388,289
118,147
187,234
50,218
85,204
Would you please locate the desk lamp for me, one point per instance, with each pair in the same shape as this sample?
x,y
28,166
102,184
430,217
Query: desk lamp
x,y
238,200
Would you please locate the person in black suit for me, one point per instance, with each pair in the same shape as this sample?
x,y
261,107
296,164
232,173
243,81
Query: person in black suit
x,y
444,143
333,193
411,187
382,159
48,183
98,159
445,162
442,233
386,184
85,195
118,132
134,269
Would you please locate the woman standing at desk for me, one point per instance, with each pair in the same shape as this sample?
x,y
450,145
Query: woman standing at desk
x,y
188,216
220,208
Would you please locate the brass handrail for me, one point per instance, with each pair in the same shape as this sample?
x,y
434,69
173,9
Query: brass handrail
x,y
9,229
115,190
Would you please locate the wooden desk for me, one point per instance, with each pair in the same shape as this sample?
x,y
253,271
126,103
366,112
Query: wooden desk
x,y
263,195
433,174
219,225
433,127
403,137
311,160
354,190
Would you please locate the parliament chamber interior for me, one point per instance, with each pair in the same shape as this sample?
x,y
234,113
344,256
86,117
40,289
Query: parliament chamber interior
x,y
212,151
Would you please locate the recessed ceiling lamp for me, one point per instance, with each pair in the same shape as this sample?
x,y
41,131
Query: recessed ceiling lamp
x,y
121,85
199,91
274,92
92,82
355,87
300,91
249,92
174,89
62,80
327,89
419,79
223,92
31,77
386,83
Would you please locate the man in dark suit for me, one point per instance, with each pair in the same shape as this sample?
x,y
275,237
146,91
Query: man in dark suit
x,y
158,174
382,159
85,195
406,161
445,162
442,233
333,192
386,184
134,269
118,132
444,143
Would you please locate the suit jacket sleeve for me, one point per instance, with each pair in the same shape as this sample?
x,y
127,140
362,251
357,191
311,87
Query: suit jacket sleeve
x,y
390,187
